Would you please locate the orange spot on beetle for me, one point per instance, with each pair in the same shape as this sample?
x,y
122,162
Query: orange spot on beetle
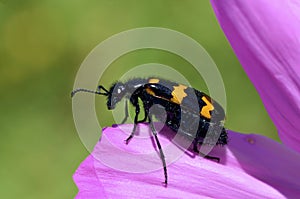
x,y
150,91
178,93
153,81
205,111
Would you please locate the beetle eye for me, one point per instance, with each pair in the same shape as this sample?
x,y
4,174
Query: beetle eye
x,y
120,89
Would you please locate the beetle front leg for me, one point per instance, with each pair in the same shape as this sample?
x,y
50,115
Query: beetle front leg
x,y
137,111
146,112
126,113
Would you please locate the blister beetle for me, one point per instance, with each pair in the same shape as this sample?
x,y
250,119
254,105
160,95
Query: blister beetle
x,y
186,109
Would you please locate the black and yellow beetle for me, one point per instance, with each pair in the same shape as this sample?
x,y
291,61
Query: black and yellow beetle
x,y
188,111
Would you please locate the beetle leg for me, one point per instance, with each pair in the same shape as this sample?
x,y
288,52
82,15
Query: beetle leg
x,y
146,111
196,150
162,156
137,111
210,157
195,146
126,112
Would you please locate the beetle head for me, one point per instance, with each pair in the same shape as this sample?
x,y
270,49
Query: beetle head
x,y
115,95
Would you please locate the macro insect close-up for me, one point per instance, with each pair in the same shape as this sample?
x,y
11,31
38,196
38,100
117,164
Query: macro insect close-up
x,y
189,112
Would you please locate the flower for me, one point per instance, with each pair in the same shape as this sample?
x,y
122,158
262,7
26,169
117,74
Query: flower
x,y
251,166
265,37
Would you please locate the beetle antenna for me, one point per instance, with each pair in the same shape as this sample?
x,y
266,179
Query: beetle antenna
x,y
98,91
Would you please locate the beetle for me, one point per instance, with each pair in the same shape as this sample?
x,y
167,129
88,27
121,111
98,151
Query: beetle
x,y
189,112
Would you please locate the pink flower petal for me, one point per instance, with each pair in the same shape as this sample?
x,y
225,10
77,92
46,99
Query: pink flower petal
x,y
265,36
86,180
252,166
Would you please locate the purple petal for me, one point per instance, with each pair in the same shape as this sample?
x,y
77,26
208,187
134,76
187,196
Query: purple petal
x,y
86,180
252,166
265,36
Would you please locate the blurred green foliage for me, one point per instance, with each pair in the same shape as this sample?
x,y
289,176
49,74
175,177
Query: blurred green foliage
x,y
43,43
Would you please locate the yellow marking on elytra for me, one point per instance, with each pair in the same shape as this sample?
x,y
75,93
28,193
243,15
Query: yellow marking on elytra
x,y
178,94
208,107
150,91
153,81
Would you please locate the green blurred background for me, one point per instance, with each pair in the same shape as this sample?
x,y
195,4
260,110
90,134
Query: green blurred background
x,y
43,43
